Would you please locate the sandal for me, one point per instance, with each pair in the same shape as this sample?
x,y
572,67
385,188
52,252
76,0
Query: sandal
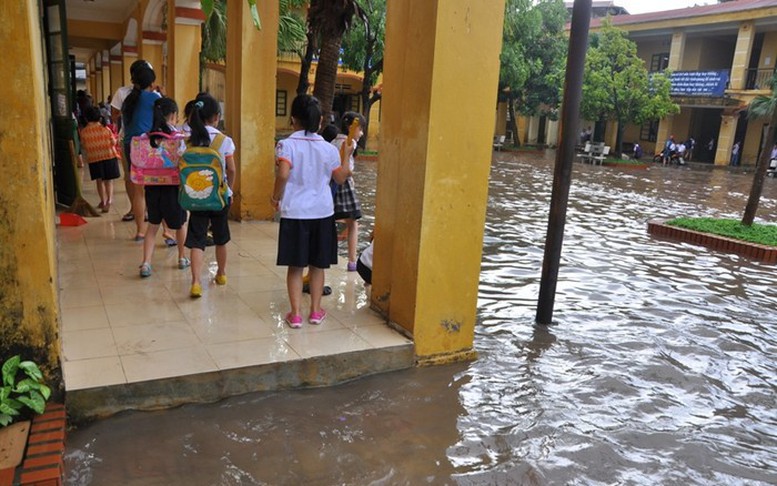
x,y
170,241
128,217
139,237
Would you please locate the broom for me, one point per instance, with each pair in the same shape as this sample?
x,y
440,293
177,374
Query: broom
x,y
80,206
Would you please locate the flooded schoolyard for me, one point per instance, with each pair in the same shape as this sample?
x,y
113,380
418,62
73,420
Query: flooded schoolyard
x,y
660,370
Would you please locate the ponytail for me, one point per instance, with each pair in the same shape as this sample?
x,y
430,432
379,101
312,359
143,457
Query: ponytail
x,y
307,110
163,107
142,78
204,110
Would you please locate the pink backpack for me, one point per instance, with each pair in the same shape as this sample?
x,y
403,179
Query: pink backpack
x,y
156,166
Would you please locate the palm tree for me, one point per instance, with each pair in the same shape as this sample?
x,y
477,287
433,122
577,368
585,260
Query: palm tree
x,y
330,19
761,107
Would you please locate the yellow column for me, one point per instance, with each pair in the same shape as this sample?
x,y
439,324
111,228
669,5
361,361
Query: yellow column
x,y
91,78
98,84
183,51
250,105
742,56
728,128
117,74
106,64
152,52
129,54
28,296
434,167
676,54
501,119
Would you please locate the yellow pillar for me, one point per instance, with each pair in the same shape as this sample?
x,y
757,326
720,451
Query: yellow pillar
x,y
728,128
501,119
742,56
677,51
183,53
117,74
152,52
28,297
129,54
250,105
106,65
434,167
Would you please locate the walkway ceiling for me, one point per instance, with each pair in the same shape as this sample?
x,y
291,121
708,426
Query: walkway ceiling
x,y
96,25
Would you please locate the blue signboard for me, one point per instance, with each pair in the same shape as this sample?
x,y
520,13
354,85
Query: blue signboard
x,y
699,83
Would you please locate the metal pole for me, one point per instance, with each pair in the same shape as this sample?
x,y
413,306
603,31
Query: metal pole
x,y
562,175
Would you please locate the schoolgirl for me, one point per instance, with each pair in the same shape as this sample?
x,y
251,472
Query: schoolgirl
x,y
99,144
305,163
203,120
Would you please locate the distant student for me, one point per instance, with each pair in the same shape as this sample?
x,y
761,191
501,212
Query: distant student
x,y
347,205
735,154
305,163
203,120
99,144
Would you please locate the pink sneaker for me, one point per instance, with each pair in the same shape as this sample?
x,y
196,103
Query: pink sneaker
x,y
317,317
294,322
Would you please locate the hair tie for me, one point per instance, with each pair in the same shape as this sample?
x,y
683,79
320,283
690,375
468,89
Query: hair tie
x,y
199,104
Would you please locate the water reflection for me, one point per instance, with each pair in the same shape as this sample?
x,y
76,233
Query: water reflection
x,y
660,370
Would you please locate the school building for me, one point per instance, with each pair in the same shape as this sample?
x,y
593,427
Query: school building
x,y
722,56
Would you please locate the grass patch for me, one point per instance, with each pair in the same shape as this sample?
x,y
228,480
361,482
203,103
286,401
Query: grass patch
x,y
625,161
368,152
763,234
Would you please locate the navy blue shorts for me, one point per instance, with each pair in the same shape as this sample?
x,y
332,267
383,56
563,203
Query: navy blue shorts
x,y
162,204
105,170
303,242
200,221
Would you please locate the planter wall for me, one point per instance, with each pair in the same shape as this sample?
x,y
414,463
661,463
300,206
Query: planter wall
x,y
763,253
43,461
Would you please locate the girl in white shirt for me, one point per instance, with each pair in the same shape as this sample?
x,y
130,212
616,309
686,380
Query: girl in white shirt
x,y
305,163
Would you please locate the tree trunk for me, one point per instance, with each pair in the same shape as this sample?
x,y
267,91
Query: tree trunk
x,y
511,109
619,140
760,174
305,62
326,74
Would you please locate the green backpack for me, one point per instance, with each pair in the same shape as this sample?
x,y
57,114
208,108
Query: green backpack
x,y
201,170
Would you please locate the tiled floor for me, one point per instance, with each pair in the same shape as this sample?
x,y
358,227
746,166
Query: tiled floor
x,y
118,328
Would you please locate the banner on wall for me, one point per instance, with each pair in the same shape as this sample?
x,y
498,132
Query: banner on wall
x,y
699,83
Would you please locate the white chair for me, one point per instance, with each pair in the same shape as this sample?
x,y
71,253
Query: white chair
x,y
600,158
586,152
499,142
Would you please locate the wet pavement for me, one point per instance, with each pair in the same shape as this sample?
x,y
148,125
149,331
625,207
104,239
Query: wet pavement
x,y
660,369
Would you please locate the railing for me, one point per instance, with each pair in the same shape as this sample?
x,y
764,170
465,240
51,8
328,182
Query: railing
x,y
759,78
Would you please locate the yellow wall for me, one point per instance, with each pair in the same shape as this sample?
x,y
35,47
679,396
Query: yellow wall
x,y
752,139
28,296
117,76
769,51
692,57
187,62
152,52
647,49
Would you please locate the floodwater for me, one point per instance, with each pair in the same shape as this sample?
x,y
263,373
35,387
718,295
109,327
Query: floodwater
x,y
660,368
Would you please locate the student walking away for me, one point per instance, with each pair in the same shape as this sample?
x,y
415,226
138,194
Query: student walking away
x,y
305,163
162,200
197,186
137,114
637,151
347,204
99,144
117,100
690,147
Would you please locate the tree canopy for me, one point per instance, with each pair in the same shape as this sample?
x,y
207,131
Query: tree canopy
x,y
533,57
617,86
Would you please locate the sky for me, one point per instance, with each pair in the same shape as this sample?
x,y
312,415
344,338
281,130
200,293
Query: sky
x,y
643,6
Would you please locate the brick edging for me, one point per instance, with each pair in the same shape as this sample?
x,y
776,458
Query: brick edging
x,y
763,253
44,459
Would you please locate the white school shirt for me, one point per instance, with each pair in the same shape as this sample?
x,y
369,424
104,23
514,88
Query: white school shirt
x,y
366,256
227,149
312,159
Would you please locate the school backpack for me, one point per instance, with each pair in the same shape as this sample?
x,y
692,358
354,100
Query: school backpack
x,y
155,166
201,172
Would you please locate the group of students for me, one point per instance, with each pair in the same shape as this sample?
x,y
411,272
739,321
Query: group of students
x,y
144,110
313,186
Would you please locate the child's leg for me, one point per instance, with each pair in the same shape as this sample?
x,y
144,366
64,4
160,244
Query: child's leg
x,y
166,234
353,238
148,243
316,288
180,236
101,191
221,259
139,209
197,257
109,191
294,287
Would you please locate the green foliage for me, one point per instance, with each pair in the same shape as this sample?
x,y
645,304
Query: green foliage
x,y
617,86
363,42
757,233
16,394
214,32
533,54
291,26
763,106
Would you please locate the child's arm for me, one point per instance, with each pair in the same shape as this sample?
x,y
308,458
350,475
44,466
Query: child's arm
x,y
343,172
282,172
231,170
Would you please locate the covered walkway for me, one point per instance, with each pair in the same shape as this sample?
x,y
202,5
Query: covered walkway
x,y
125,339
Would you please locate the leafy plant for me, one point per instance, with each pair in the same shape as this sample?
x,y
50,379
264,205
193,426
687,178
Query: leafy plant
x,y
764,234
28,392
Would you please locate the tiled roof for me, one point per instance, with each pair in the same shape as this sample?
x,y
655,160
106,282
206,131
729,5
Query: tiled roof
x,y
689,12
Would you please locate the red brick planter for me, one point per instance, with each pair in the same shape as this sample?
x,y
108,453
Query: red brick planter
x,y
763,253
43,460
